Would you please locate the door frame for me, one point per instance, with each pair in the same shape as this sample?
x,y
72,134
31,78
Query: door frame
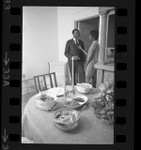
x,y
76,22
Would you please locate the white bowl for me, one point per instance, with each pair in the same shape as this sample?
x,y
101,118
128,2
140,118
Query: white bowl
x,y
46,104
61,113
83,87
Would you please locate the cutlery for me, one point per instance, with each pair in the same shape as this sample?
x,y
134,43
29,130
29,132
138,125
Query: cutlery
x,y
58,93
52,107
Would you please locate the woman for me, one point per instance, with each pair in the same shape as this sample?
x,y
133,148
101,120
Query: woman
x,y
92,58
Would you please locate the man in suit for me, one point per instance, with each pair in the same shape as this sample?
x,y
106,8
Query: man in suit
x,y
72,51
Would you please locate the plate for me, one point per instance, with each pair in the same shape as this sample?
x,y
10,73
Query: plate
x,y
45,109
55,92
75,101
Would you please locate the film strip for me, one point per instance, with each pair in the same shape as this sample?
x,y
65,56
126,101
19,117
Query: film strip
x,y
12,75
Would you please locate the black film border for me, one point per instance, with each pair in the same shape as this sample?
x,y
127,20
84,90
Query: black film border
x,y
11,76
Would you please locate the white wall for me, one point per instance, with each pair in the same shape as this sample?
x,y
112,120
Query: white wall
x,y
40,39
45,32
66,18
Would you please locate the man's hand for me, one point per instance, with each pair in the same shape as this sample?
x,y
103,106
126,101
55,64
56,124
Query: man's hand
x,y
75,57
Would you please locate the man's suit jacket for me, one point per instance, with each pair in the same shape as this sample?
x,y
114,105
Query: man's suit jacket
x,y
72,50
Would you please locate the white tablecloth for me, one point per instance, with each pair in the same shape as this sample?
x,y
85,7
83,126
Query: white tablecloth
x,y
38,126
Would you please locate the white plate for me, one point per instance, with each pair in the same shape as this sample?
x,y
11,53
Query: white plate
x,y
45,109
74,97
54,92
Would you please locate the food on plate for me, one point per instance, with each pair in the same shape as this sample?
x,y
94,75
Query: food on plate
x,y
72,103
46,102
75,101
46,98
79,99
66,117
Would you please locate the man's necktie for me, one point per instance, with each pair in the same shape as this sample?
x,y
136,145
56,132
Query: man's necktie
x,y
77,44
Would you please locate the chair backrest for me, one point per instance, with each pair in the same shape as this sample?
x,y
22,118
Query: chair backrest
x,y
45,81
58,68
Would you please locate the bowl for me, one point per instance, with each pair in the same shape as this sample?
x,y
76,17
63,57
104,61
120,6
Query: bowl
x,y
83,87
46,104
66,117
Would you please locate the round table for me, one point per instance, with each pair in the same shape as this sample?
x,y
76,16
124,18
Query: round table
x,y
38,126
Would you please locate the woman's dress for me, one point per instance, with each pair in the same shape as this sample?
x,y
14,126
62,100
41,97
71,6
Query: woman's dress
x,y
92,59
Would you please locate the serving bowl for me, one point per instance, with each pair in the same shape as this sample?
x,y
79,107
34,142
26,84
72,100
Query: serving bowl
x,y
46,102
83,87
66,119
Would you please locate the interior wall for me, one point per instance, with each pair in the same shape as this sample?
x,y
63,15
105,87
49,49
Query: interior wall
x,y
45,33
40,39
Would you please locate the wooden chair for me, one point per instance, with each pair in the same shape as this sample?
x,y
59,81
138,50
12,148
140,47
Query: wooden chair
x,y
45,81
58,68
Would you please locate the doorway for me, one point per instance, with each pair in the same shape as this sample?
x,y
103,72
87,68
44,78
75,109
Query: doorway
x,y
85,26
